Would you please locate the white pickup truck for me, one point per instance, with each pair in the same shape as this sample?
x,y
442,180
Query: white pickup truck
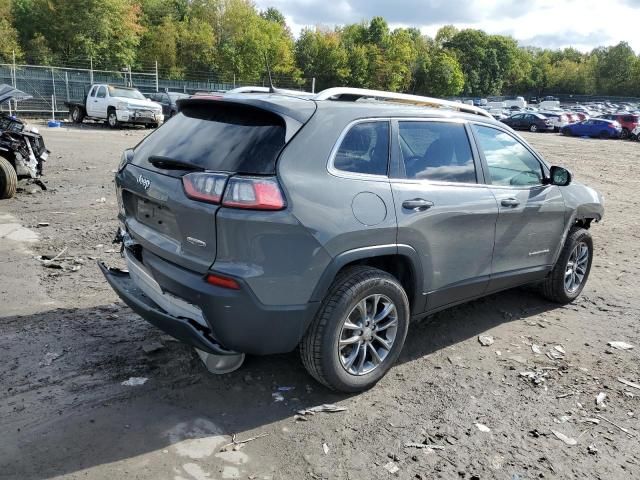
x,y
116,105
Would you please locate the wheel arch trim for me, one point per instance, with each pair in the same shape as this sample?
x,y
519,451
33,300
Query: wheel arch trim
x,y
350,256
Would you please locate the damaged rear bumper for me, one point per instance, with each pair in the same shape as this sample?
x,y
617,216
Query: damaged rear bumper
x,y
184,329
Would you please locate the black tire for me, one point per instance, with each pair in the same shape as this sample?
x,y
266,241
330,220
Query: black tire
x,y
625,133
533,128
604,135
77,114
151,125
554,288
8,179
566,132
319,347
638,138
112,118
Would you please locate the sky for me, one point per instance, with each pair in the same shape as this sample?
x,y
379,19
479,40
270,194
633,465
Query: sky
x,y
582,24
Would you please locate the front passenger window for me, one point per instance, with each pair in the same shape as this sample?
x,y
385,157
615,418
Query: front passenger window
x,y
509,162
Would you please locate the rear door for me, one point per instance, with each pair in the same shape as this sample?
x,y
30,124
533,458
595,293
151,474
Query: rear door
x,y
208,135
444,210
532,215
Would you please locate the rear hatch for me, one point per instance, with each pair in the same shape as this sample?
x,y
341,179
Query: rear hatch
x,y
232,138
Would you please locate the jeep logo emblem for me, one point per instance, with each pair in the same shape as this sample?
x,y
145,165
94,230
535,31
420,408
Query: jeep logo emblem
x,y
144,182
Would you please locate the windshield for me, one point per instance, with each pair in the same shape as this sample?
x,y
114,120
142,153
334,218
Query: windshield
x,y
125,93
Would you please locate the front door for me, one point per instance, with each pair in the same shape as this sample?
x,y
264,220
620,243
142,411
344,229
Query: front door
x,y
444,211
531,223
101,103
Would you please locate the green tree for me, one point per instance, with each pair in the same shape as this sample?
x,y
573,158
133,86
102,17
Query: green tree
x,y
444,77
8,34
321,55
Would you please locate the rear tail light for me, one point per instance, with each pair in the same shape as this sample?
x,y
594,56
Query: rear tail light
x,y
254,193
205,187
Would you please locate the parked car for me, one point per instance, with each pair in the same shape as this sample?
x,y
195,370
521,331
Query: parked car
x,y
534,122
518,102
548,104
22,148
557,119
167,101
629,122
594,127
116,105
573,117
635,135
233,245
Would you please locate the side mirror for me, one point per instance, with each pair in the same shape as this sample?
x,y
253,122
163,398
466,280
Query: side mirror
x,y
559,176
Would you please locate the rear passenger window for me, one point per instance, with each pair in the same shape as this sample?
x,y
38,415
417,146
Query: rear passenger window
x,y
436,151
364,149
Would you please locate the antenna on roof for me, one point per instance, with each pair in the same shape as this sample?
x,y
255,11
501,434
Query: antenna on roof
x,y
272,89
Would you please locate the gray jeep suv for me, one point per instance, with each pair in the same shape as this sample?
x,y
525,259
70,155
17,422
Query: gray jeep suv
x,y
258,224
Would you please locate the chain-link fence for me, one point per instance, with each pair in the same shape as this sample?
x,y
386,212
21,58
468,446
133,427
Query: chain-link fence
x,y
51,87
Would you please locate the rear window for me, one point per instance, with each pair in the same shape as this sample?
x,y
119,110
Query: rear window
x,y
218,136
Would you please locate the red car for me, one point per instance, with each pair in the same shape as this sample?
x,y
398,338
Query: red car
x,y
582,116
628,121
573,117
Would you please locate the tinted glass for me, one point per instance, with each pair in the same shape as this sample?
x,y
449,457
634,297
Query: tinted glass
x,y
218,136
102,92
510,163
365,149
93,92
436,151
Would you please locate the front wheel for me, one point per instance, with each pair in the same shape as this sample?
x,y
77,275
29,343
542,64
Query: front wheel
x,y
571,271
112,119
625,133
533,128
8,179
358,332
604,135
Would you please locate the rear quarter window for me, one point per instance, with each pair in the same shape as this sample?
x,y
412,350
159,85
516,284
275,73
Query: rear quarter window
x,y
364,149
218,136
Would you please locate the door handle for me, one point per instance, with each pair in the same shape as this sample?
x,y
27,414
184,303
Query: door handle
x,y
510,202
417,204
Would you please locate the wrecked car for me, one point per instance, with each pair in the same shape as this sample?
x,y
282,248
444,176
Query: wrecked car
x,y
22,149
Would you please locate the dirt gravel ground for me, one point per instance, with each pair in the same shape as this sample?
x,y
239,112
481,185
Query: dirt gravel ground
x,y
67,344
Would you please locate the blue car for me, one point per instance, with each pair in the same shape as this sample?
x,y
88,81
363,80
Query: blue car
x,y
594,127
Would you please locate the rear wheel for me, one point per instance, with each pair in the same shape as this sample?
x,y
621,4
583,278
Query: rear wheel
x,y
77,114
533,128
571,271
112,118
8,179
358,332
604,135
625,133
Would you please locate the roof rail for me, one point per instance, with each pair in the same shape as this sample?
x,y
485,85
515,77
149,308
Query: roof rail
x,y
357,93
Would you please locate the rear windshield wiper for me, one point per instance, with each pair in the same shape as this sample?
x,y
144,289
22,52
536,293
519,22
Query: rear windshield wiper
x,y
167,163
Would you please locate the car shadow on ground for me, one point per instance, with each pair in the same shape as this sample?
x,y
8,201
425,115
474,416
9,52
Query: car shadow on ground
x,y
102,422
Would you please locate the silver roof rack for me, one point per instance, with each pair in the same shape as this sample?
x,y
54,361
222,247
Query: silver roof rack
x,y
357,93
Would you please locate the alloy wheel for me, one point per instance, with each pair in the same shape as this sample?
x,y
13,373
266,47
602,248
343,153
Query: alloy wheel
x,y
576,267
368,334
